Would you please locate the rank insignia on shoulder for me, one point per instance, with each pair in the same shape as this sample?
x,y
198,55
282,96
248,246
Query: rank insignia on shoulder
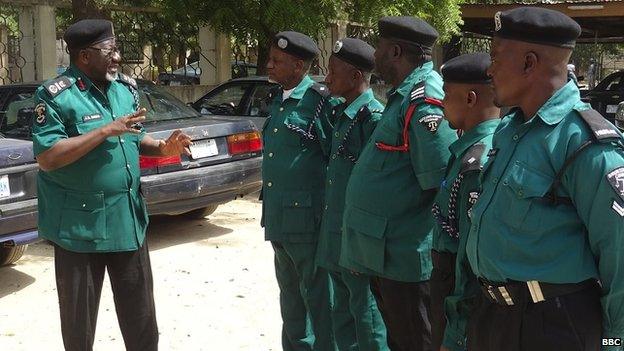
x,y
56,86
616,180
618,208
431,122
40,110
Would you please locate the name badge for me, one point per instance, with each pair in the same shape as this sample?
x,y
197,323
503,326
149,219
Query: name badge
x,y
89,118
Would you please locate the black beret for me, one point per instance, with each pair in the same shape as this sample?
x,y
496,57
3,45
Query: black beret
x,y
408,28
355,52
88,32
537,25
297,44
467,69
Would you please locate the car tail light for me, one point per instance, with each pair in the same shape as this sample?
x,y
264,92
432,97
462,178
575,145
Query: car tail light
x,y
244,143
146,162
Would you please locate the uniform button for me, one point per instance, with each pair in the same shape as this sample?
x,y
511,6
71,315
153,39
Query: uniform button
x,y
520,193
269,184
122,141
270,154
515,137
330,182
333,156
84,205
275,130
505,182
127,165
337,135
130,189
281,109
325,207
296,204
495,180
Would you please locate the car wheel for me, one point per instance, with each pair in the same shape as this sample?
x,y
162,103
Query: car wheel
x,y
200,213
10,254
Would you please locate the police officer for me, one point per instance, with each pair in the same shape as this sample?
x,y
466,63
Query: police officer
x,y
388,220
87,144
356,320
293,173
548,223
469,107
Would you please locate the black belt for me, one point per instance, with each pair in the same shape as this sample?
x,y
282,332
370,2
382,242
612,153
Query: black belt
x,y
511,293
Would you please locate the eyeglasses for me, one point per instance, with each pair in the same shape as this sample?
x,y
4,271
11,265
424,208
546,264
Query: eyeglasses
x,y
108,52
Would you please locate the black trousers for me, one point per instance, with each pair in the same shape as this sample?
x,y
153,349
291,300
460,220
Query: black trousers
x,y
441,284
79,278
405,310
570,322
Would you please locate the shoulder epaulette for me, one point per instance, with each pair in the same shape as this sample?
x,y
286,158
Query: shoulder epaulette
x,y
419,96
320,89
127,80
57,85
599,126
471,161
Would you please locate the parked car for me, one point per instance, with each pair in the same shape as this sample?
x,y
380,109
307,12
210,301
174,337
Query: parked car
x,y
619,117
225,162
191,73
244,98
606,96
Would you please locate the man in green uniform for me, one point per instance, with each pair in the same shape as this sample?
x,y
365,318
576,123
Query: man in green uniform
x,y
356,320
548,223
387,219
88,188
469,107
293,172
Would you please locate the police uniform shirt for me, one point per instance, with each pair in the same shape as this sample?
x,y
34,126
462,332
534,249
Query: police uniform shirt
x,y
293,168
516,234
93,204
353,127
387,219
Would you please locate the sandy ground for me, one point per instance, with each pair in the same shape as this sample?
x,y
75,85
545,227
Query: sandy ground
x,y
213,280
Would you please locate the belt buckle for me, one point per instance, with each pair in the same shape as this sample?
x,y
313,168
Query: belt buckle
x,y
536,291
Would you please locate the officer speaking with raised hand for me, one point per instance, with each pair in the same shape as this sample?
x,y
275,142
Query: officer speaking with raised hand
x,y
293,172
87,143
356,320
388,220
469,107
549,220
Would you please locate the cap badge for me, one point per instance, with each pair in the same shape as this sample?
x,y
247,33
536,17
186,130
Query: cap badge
x,y
282,43
497,21
337,46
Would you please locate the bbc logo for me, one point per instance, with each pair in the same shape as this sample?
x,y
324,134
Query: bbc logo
x,y
612,342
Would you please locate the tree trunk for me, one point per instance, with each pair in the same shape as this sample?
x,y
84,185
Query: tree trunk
x,y
84,9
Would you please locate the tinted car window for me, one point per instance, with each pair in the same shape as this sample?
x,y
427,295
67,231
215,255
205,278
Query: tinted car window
x,y
612,82
17,116
259,101
162,106
226,100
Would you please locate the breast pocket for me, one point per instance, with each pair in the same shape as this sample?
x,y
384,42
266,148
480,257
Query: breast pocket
x,y
84,127
298,214
83,217
525,189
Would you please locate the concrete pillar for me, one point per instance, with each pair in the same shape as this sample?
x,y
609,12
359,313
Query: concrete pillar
x,y
337,30
45,42
215,58
27,44
4,55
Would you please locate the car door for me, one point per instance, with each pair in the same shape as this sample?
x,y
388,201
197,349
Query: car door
x,y
608,94
225,100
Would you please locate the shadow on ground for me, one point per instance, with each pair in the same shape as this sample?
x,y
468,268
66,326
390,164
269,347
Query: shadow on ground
x,y
12,280
166,231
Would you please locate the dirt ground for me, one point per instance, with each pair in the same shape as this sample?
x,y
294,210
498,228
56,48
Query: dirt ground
x,y
214,288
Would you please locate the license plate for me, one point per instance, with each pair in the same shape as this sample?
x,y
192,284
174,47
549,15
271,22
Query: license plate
x,y
5,190
204,148
612,108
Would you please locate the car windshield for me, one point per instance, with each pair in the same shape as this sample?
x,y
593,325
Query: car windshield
x,y
161,105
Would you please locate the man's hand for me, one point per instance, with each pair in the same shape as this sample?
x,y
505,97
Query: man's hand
x,y
176,144
124,124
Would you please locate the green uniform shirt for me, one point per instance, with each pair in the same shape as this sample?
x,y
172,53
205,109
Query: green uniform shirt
x,y
474,143
93,204
387,219
516,235
293,168
352,129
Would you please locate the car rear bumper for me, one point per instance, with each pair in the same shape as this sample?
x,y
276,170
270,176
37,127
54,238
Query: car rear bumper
x,y
18,222
182,191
